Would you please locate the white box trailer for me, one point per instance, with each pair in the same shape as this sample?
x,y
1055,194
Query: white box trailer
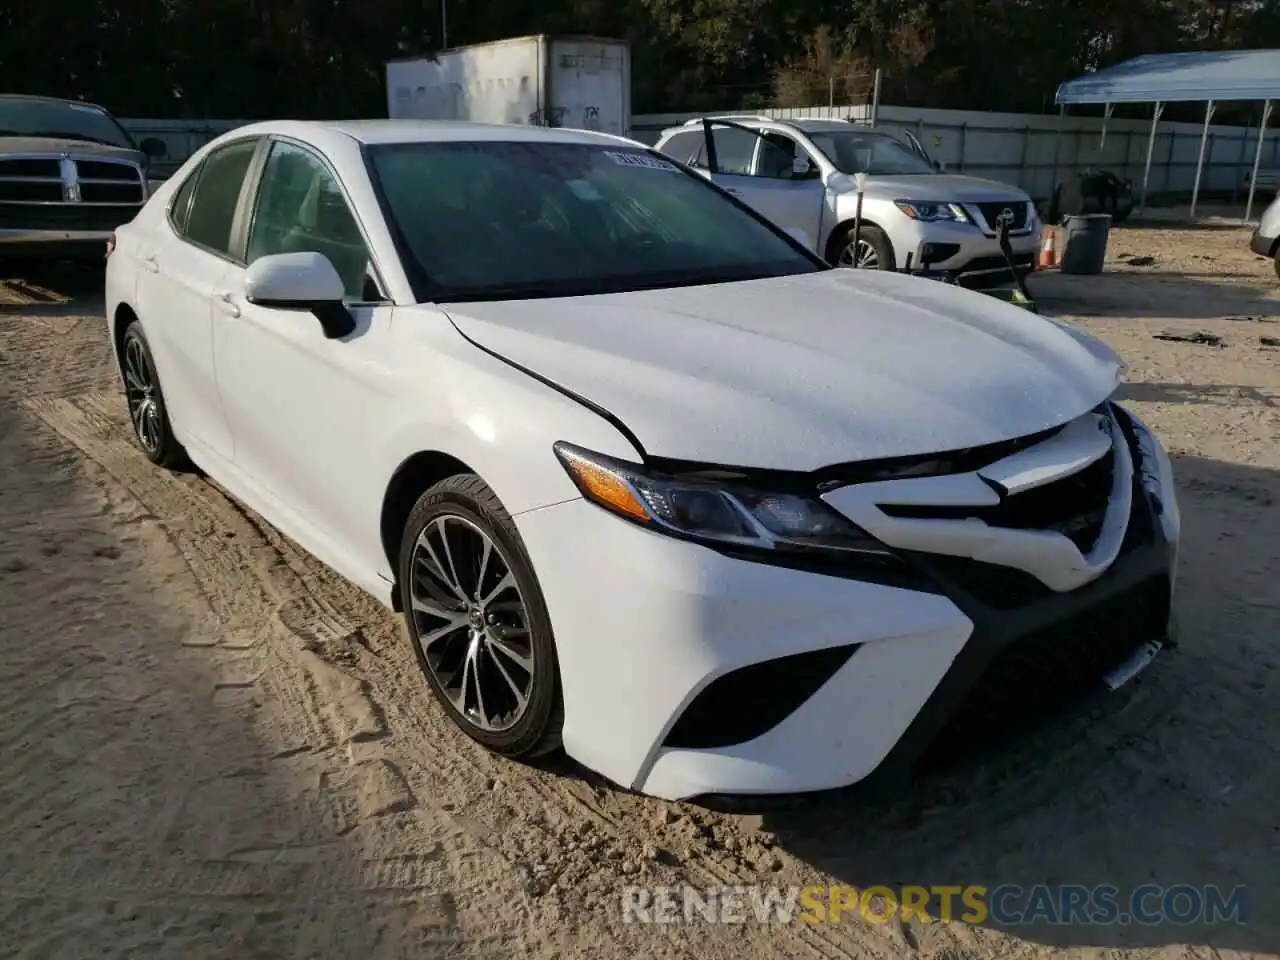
x,y
551,81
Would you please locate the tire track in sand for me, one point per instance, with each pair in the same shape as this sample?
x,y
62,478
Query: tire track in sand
x,y
296,626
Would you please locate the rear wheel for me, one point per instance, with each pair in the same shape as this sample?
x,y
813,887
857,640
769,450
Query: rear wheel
x,y
477,619
872,251
147,410
1275,262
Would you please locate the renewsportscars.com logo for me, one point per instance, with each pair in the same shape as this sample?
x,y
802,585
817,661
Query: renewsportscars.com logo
x,y
1005,905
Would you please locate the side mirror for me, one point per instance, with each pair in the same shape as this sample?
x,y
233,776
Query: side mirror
x,y
154,147
301,281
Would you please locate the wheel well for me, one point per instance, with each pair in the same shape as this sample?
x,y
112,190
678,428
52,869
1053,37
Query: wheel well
x,y
124,319
412,478
845,227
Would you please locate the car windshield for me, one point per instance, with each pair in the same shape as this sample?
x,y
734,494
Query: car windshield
x,y
876,154
54,118
502,220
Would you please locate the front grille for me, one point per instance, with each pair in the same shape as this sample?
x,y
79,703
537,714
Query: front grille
x,y
30,191
1007,588
30,167
41,180
1073,506
110,192
749,702
991,212
1038,675
107,170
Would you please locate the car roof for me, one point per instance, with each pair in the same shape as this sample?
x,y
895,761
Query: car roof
x,y
430,131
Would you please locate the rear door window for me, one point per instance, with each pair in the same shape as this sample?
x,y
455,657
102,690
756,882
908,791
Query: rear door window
x,y
217,195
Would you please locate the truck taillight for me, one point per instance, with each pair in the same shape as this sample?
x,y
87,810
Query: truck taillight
x,y
111,244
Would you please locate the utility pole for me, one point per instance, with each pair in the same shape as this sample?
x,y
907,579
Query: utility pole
x,y
444,23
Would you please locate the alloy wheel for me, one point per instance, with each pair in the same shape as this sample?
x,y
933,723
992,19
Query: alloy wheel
x,y
142,396
864,256
471,623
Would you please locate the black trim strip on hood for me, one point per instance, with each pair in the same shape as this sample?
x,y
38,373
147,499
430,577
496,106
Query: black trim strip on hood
x,y
591,405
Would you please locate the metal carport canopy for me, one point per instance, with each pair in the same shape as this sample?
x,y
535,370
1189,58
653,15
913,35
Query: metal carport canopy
x,y
1160,78
1179,77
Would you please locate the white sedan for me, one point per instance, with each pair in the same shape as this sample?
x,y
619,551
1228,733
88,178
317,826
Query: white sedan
x,y
647,479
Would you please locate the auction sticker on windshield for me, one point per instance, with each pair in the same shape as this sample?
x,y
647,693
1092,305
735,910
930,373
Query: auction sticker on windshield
x,y
639,160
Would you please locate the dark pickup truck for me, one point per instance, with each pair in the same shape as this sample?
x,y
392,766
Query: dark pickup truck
x,y
69,175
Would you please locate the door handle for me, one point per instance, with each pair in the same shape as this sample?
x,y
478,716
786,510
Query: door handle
x,y
227,305
151,264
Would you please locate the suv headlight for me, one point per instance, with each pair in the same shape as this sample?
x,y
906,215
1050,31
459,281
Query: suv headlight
x,y
929,211
713,510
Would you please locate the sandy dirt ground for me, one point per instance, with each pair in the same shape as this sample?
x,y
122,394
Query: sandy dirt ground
x,y
210,746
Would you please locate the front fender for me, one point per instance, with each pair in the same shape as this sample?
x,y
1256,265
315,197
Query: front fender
x,y
497,420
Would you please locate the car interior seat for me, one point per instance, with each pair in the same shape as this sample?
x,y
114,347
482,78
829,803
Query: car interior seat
x,y
325,225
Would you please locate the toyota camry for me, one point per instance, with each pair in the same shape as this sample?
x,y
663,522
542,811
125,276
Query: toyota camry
x,y
647,479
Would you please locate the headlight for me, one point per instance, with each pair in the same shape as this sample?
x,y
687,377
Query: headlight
x,y
932,212
713,510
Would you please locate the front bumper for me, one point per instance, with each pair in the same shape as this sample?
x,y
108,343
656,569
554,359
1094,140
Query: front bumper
x,y
54,244
1261,245
972,257
687,672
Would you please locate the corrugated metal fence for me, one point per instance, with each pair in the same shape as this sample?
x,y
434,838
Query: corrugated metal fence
x,y
1029,150
1035,152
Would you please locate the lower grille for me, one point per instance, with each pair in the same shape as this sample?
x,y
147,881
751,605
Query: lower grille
x,y
749,702
1021,261
64,216
991,212
1040,674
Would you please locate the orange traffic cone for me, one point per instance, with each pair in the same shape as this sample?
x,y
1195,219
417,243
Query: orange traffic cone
x,y
1049,252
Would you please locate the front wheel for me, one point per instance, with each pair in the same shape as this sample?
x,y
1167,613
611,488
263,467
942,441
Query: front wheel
x,y
477,619
147,410
872,251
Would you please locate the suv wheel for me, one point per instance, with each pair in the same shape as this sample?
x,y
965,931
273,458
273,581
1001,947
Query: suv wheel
x,y
871,252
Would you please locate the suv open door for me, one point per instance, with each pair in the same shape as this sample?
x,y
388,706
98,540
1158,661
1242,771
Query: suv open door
x,y
919,148
769,171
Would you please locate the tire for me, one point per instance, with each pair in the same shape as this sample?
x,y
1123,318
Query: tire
x,y
1275,262
872,237
145,400
441,604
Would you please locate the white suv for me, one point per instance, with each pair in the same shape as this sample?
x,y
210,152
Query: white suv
x,y
801,175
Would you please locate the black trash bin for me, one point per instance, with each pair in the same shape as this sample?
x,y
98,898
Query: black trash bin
x,y
1084,247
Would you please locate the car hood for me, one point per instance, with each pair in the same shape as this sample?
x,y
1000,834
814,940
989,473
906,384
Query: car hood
x,y
801,372
939,187
72,148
